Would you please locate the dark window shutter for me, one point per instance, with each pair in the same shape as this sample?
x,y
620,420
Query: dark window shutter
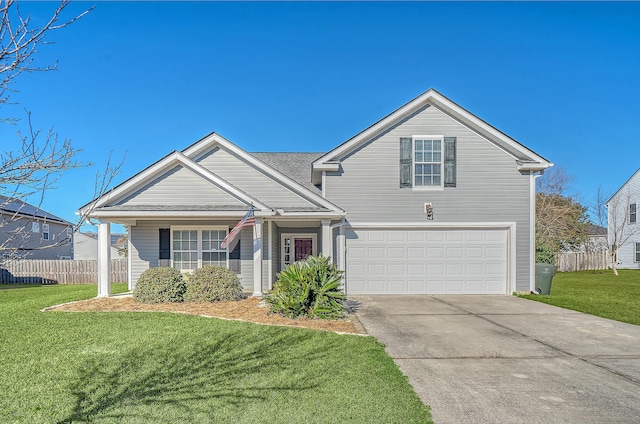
x,y
234,256
235,253
450,161
405,162
165,244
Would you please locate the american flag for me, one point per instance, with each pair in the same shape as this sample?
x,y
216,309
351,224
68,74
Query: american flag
x,y
247,221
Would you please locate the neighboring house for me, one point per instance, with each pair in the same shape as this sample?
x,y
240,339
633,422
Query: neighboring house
x,y
430,199
596,241
624,224
27,232
85,245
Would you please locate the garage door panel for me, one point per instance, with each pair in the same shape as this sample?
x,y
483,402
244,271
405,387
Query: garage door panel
x,y
474,252
474,270
416,236
416,252
416,286
357,253
397,236
377,286
435,286
397,269
375,269
454,236
435,252
397,286
427,261
416,268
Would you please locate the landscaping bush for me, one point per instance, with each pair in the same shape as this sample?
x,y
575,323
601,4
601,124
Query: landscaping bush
x,y
213,284
545,254
158,285
309,288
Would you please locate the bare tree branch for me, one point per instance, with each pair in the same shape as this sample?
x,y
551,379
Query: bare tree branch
x,y
618,218
33,169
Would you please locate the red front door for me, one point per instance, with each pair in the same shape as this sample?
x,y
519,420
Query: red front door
x,y
303,248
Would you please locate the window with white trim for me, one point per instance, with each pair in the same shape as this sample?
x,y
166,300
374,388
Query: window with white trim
x,y
427,161
633,213
45,231
636,256
192,248
212,253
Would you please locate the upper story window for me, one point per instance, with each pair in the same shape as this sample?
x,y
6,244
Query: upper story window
x,y
633,213
45,231
428,161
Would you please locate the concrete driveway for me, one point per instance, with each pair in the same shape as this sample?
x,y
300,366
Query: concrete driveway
x,y
502,359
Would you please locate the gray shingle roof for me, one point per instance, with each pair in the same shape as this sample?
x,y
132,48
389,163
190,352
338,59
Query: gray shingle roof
x,y
296,166
16,206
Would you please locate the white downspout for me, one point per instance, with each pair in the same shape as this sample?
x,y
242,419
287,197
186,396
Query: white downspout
x,y
532,230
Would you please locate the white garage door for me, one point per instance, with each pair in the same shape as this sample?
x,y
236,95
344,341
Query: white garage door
x,y
464,261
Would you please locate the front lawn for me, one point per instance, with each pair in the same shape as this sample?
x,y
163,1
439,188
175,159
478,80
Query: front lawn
x,y
598,293
64,367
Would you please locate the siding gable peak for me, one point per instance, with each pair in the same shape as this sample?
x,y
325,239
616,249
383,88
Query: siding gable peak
x,y
431,97
162,167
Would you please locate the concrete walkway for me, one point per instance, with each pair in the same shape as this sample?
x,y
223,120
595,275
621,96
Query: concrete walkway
x,y
502,359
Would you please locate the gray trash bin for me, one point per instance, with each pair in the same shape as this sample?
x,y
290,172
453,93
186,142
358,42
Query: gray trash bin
x,y
544,275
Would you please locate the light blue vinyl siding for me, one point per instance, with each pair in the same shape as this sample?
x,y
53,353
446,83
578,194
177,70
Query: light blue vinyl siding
x,y
489,187
145,247
180,186
251,180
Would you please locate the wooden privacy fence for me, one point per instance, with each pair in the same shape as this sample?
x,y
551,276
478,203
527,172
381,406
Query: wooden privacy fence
x,y
58,271
583,261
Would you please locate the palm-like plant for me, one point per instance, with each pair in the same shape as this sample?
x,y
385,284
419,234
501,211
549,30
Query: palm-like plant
x,y
308,288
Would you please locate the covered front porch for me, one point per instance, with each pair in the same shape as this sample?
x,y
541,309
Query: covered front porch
x,y
258,254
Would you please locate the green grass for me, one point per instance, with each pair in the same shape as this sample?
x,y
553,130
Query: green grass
x,y
64,367
598,293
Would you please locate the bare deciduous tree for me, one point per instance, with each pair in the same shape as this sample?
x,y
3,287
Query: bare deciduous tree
x,y
561,221
39,158
618,218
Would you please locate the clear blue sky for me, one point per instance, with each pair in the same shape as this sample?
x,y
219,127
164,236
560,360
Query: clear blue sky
x,y
148,78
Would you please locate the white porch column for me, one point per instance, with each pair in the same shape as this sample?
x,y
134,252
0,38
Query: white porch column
x,y
327,240
104,259
257,258
342,252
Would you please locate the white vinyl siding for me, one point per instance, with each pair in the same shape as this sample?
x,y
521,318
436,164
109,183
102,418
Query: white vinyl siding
x,y
619,211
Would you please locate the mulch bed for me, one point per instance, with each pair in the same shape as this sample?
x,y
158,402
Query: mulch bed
x,y
249,310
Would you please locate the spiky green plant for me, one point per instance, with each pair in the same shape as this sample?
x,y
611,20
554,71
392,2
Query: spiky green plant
x,y
309,288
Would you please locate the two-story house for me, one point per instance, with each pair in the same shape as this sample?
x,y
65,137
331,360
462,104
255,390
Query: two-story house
x,y
28,232
429,199
623,223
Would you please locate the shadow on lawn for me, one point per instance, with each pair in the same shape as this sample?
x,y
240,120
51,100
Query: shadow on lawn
x,y
225,370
